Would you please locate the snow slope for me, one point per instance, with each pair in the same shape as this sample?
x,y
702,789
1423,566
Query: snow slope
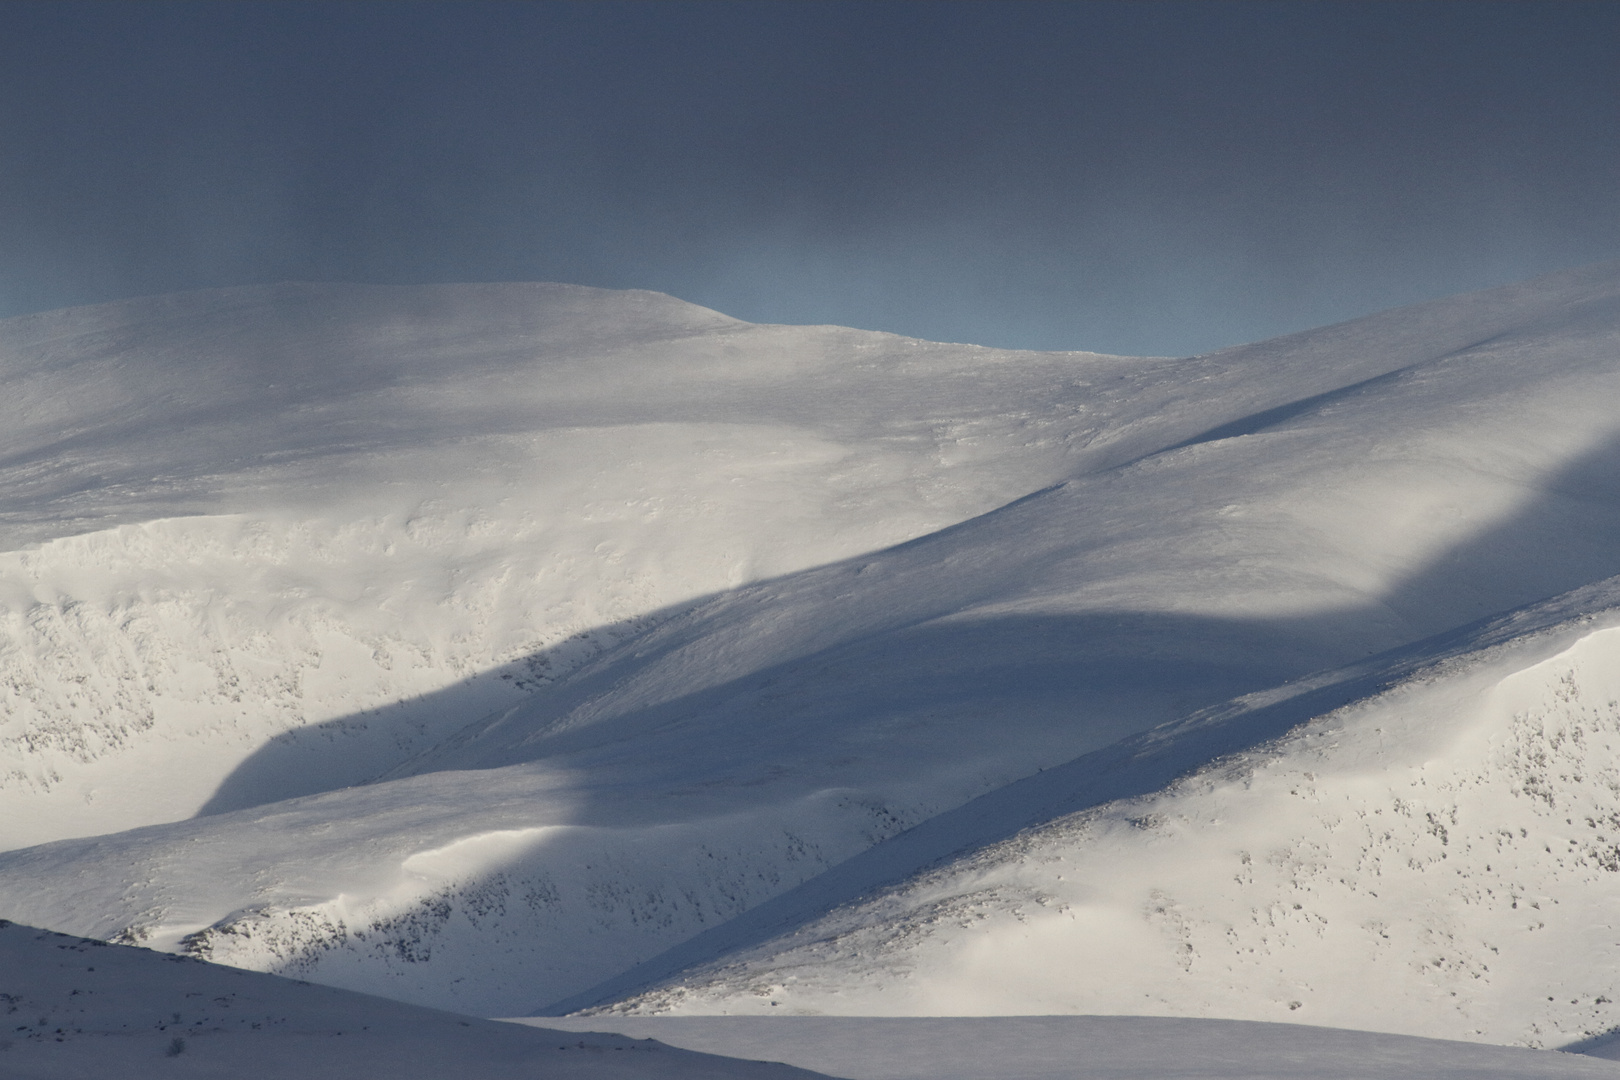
x,y
1088,1048
338,522
1153,538
74,1008
1439,855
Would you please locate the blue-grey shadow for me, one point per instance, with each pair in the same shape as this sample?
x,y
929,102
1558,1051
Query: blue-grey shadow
x,y
1087,682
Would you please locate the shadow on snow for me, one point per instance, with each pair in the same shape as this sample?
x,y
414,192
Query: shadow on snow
x,y
914,688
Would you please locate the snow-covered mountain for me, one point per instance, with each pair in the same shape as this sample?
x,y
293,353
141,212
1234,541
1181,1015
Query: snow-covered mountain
x,y
497,647
1438,855
322,527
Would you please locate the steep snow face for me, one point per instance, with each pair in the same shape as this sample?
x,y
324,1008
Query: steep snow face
x,y
1188,531
344,521
1441,857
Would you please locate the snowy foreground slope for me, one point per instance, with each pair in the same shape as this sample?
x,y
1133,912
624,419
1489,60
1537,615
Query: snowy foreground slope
x,y
1089,1048
879,635
76,1008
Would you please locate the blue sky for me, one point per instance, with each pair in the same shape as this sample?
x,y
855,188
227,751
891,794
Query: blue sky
x,y
1138,177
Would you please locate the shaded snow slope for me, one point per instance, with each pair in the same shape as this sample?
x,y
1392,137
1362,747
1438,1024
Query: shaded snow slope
x,y
1440,855
74,1008
1088,1048
1189,531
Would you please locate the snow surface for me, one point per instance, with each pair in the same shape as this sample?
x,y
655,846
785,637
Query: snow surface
x,y
843,668
265,542
72,1008
1088,1048
1438,855
76,1007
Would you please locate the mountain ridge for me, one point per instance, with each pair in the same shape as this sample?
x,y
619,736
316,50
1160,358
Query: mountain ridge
x,y
903,576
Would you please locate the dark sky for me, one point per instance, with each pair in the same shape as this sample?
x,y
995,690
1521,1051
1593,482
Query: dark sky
x,y
1136,177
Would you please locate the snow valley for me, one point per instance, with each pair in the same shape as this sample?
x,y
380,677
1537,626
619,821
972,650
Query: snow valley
x,y
522,649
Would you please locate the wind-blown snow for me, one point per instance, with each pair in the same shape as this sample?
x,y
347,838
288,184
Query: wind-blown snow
x,y
833,586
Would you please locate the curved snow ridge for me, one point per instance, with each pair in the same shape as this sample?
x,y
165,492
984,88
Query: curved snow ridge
x,y
516,915
1441,858
471,855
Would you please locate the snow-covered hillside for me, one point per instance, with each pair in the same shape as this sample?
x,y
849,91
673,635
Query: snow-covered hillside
x,y
769,597
322,527
75,1008
1089,1048
1438,856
